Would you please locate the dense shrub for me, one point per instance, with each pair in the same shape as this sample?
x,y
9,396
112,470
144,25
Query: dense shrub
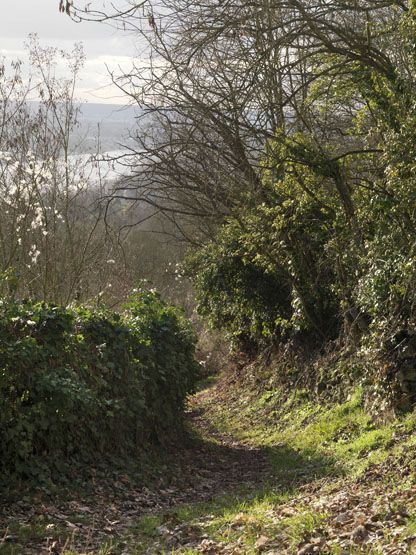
x,y
234,293
77,382
270,271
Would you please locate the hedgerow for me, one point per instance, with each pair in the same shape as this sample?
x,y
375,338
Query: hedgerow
x,y
79,382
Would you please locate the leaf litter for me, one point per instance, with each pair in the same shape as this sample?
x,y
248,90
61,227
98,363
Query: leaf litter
x,y
368,514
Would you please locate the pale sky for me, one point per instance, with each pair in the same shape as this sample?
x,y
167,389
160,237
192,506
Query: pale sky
x,y
102,44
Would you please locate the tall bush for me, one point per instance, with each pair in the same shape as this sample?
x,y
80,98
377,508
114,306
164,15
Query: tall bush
x,y
79,382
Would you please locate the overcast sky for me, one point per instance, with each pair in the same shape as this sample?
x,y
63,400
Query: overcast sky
x,y
102,44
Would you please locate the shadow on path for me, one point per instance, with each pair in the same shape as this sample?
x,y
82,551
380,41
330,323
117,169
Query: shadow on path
x,y
212,467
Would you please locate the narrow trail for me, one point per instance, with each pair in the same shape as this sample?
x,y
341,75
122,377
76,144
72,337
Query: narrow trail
x,y
227,462
207,505
212,464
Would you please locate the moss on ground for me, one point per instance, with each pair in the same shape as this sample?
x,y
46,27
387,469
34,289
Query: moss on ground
x,y
314,451
306,443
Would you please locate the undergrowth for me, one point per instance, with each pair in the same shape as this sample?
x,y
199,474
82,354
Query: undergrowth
x,y
315,452
82,384
306,443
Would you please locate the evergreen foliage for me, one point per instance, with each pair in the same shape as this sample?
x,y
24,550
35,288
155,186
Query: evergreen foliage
x,y
325,245
81,382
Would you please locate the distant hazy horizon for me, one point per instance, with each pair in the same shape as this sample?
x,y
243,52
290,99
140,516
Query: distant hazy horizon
x,y
110,122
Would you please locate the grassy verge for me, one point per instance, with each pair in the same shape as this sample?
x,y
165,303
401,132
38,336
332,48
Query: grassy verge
x,y
339,483
318,454
307,437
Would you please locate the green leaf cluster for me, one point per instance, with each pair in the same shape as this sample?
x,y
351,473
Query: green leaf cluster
x,y
80,382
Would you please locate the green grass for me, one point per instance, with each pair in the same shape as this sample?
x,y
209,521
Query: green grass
x,y
410,528
307,436
301,526
222,520
107,549
145,532
304,442
234,520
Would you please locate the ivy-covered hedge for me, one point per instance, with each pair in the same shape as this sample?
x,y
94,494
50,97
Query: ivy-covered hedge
x,y
79,382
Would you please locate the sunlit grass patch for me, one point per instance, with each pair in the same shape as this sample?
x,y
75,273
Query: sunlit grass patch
x,y
307,438
226,519
301,527
410,528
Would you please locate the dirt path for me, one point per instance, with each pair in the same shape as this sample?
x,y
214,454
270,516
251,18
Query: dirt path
x,y
221,499
211,465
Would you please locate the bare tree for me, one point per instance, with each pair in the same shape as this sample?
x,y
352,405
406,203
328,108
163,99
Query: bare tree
x,y
54,243
223,79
